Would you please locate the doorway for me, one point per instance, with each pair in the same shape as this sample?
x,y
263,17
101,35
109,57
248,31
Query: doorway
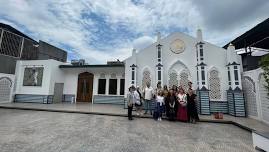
x,y
58,92
85,87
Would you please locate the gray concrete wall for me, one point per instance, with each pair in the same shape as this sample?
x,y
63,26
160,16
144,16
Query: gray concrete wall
x,y
47,51
7,64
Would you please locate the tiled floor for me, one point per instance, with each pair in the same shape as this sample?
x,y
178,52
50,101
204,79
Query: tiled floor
x,y
32,131
119,110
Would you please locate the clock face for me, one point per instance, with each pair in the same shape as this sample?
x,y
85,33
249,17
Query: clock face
x,y
177,46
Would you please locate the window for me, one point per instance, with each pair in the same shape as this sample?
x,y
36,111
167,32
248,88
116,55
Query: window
x,y
122,83
159,75
159,52
102,86
201,53
113,86
214,85
203,75
133,75
236,75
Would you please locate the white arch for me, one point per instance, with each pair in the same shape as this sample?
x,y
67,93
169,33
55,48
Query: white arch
x,y
183,74
178,69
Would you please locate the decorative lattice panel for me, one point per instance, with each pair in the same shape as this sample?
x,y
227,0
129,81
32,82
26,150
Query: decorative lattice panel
x,y
214,85
173,79
5,89
250,96
264,99
146,78
184,80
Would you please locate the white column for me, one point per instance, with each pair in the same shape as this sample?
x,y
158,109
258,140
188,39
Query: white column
x,y
95,84
107,85
1,37
22,45
118,86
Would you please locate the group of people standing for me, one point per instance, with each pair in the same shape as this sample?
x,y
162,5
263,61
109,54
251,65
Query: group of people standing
x,y
176,103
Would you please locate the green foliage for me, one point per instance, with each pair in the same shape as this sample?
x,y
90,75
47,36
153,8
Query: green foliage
x,y
265,66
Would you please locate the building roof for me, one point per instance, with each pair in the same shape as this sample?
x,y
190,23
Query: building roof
x,y
13,30
257,37
92,66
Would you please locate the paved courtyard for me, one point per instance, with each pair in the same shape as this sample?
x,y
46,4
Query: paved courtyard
x,y
32,131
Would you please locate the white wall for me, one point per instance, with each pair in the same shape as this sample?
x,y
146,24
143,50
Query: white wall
x,y
51,75
262,100
71,77
214,57
11,77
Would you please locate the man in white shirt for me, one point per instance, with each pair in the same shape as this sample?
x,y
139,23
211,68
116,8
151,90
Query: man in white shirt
x,y
148,95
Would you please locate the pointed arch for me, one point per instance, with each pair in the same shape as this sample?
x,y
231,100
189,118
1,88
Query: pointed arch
x,y
180,73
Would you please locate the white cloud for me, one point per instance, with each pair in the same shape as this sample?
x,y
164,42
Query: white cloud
x,y
62,22
142,42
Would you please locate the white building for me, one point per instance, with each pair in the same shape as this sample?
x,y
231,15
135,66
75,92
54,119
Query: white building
x,y
172,60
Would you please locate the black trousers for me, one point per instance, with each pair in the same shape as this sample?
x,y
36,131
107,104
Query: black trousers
x,y
130,109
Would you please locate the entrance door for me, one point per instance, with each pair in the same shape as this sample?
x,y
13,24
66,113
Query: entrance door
x,y
85,86
58,92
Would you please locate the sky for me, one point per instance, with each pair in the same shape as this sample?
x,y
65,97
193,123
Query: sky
x,y
102,30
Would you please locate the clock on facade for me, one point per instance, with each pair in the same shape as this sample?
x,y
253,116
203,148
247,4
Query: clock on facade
x,y
177,46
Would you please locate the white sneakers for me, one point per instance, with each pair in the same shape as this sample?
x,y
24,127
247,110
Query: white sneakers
x,y
159,119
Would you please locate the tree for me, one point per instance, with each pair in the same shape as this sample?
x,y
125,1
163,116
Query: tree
x,y
265,66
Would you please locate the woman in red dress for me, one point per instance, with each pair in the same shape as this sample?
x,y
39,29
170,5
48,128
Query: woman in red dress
x,y
182,114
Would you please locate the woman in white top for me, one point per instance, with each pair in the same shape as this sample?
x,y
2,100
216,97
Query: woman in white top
x,y
160,106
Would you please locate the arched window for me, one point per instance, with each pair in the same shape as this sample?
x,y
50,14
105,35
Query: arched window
x,y
214,85
184,80
173,80
146,78
5,88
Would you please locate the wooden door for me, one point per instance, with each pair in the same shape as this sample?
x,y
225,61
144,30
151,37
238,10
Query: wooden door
x,y
85,86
